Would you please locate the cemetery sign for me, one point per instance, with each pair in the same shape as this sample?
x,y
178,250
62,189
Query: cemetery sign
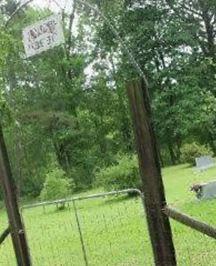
x,y
43,35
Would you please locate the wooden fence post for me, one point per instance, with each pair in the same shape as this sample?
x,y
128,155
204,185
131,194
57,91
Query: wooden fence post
x,y
16,226
4,235
154,195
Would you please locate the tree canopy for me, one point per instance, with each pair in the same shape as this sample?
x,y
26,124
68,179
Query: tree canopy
x,y
69,105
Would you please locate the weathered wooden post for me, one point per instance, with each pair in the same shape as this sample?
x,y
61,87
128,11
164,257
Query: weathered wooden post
x,y
154,195
16,226
4,235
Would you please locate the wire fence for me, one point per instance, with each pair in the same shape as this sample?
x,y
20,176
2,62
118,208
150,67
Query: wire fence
x,y
102,229
192,247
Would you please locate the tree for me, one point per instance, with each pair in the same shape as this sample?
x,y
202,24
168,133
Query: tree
x,y
175,51
56,110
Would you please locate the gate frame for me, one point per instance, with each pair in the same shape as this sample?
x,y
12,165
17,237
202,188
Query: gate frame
x,y
157,211
73,200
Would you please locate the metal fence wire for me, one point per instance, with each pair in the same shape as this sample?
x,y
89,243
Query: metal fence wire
x,y
192,247
102,229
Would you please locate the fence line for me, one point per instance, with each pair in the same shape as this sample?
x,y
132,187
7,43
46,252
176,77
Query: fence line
x,y
93,235
191,222
93,196
170,212
81,235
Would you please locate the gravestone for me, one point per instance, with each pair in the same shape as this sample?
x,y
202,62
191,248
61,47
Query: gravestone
x,y
205,191
204,162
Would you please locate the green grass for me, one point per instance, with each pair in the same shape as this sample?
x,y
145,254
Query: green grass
x,y
114,229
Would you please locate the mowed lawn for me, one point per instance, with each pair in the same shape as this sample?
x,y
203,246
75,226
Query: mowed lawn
x,y
114,229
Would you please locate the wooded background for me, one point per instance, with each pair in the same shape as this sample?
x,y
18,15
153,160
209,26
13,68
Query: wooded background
x,y
67,109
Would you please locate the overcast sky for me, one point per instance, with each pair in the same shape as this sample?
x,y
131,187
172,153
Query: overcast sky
x,y
54,5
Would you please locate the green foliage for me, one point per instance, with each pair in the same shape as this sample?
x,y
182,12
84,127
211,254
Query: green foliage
x,y
56,186
52,109
5,46
123,175
190,152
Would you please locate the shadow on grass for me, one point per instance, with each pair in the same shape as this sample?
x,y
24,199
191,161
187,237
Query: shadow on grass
x,y
116,199
179,166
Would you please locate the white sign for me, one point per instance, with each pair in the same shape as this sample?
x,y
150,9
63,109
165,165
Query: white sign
x,y
43,35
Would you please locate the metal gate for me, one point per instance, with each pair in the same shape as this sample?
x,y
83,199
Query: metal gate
x,y
101,229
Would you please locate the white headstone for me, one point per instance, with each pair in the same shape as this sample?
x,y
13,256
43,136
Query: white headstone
x,y
206,191
204,162
209,190
43,35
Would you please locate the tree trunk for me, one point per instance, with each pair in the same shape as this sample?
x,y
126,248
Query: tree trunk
x,y
161,157
212,143
172,154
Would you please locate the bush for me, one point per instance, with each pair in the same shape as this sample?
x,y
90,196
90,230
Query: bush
x,y
190,152
123,175
56,186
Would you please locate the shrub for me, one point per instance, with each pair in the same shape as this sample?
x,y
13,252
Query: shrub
x,y
56,186
123,175
190,152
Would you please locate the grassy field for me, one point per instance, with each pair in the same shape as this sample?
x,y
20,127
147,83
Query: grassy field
x,y
114,229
